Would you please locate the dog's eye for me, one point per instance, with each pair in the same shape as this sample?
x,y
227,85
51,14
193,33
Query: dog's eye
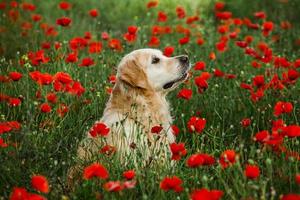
x,y
155,60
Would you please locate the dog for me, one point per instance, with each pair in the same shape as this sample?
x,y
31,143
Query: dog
x,y
137,104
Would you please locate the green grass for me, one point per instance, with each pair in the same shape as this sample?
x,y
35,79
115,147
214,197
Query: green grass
x,y
47,144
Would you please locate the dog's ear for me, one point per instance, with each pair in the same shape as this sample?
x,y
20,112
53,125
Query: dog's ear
x,y
132,74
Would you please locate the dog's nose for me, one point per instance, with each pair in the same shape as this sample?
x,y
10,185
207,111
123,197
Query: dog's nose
x,y
184,59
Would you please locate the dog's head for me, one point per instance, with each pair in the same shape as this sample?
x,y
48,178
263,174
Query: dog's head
x,y
149,69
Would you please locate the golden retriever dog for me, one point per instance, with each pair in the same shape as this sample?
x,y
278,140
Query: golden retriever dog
x,y
137,104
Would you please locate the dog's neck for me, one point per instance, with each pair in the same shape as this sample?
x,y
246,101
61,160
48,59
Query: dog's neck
x,y
146,106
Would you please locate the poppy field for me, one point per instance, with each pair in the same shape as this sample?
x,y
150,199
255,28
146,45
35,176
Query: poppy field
x,y
236,118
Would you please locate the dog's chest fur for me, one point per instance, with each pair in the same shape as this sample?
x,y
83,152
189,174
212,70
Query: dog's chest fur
x,y
132,114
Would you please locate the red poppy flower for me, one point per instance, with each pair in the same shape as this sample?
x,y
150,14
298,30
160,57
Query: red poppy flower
x,y
64,5
178,150
293,75
285,25
152,4
63,77
9,126
36,17
175,130
109,90
291,131
212,56
185,94
218,73
113,186
200,159
129,184
222,29
223,15
154,42
171,183
282,107
260,15
26,26
290,197
37,58
201,83
115,44
297,179
130,37
94,13
230,76
95,170
72,57
63,21
200,65
248,39
255,64
19,194
112,79
261,136
130,174
200,41
4,128
86,62
99,129
221,46
195,161
40,183
191,19
46,45
2,143
87,35
297,63
77,43
180,12
156,129
108,150
196,124
132,29
251,52
233,35
246,122
95,47
4,79
280,61
277,124
104,35
32,196
258,81
162,17
252,171
205,194
14,4
51,97
15,76
219,5
13,14
227,158
241,44
258,95
28,6
267,27
184,40
14,102
168,51
4,97
45,108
